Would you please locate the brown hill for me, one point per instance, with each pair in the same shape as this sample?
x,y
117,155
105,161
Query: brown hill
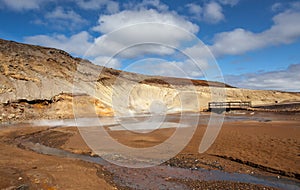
x,y
38,82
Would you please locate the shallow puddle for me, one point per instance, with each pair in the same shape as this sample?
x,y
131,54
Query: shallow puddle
x,y
145,123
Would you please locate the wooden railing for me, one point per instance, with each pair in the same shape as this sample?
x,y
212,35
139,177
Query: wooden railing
x,y
228,105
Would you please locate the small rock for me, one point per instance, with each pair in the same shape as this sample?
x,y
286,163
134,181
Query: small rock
x,y
93,154
23,187
278,177
20,178
10,116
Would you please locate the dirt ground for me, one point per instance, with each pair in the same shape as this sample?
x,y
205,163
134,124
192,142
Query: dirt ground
x,y
268,148
24,169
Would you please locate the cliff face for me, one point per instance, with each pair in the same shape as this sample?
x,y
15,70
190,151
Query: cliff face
x,y
53,82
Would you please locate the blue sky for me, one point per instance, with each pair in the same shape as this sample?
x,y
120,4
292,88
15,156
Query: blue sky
x,y
255,43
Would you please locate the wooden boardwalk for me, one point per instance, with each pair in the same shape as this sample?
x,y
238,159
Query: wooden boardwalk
x,y
226,106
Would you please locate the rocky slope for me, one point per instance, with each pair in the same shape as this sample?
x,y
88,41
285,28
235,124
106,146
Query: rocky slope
x,y
38,82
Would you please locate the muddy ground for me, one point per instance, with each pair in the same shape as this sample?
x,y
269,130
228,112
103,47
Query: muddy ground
x,y
268,148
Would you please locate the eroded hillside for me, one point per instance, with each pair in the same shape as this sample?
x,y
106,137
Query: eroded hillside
x,y
39,82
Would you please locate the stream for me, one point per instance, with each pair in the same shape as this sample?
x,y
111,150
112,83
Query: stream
x,y
157,177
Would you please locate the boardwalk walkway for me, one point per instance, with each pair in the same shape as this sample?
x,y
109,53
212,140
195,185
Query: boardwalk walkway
x,y
226,106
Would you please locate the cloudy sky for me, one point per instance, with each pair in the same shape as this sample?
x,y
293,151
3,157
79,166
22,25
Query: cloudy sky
x,y
255,44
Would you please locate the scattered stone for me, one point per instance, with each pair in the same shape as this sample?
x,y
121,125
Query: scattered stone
x,y
93,154
23,187
11,116
36,181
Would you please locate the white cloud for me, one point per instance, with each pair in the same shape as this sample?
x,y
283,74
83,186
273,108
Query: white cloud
x,y
151,31
276,6
20,5
286,80
280,6
235,42
139,38
62,18
108,23
229,2
146,5
195,10
212,12
76,44
107,62
111,6
160,67
147,31
199,52
285,30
